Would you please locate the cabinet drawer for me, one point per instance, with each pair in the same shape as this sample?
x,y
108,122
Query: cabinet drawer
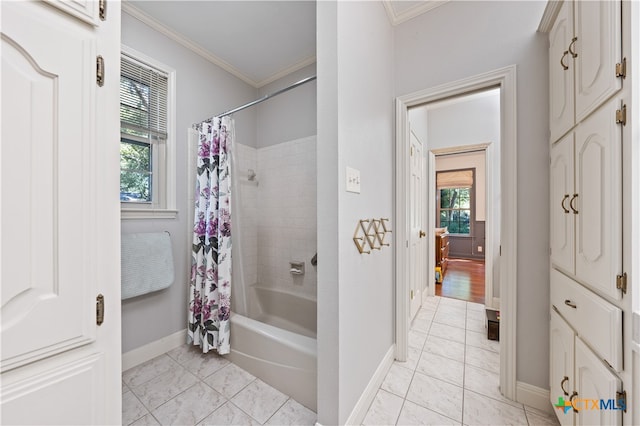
x,y
596,321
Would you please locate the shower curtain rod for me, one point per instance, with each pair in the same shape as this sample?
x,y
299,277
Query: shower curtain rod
x,y
265,97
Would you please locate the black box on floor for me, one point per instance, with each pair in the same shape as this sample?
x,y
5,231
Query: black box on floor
x,y
493,324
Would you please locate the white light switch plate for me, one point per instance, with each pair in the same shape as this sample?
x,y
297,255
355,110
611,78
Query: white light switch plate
x,y
353,180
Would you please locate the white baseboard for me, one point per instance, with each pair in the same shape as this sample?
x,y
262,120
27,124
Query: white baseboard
x,y
533,396
360,410
151,350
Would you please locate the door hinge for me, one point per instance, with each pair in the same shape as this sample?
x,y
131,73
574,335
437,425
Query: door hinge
x,y
621,68
411,153
412,295
621,282
99,309
621,115
621,400
100,71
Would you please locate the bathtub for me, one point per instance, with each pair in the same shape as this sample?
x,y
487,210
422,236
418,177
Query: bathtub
x,y
284,308
283,359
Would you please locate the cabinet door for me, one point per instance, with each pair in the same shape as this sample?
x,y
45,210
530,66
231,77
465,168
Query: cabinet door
x,y
594,381
599,202
598,46
561,105
561,338
562,237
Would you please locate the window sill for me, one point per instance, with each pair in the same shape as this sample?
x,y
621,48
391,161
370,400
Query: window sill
x,y
129,213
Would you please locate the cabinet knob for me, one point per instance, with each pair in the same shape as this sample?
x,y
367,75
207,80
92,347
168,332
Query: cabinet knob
x,y
566,379
575,211
573,53
566,210
422,234
570,304
573,395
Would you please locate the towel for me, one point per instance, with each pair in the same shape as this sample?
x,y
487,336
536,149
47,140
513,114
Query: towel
x,y
147,263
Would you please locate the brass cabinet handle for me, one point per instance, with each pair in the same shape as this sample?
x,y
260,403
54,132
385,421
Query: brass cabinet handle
x,y
566,379
573,395
570,304
566,210
573,41
564,67
422,234
575,211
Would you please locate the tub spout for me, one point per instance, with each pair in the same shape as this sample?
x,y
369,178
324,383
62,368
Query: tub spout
x,y
314,260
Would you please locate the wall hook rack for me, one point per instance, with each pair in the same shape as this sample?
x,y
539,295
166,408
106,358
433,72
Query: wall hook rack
x,y
370,235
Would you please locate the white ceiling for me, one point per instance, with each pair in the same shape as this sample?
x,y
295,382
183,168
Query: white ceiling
x,y
257,41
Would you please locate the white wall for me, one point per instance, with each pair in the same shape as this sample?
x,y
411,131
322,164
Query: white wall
x,y
355,128
462,39
203,90
469,160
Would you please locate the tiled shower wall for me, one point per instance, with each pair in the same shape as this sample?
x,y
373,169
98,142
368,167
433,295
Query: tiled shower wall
x,y
278,214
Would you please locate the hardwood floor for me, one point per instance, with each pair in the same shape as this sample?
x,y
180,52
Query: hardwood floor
x,y
463,280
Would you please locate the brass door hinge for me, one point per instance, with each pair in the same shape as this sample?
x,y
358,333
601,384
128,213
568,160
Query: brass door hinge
x,y
621,282
621,115
100,71
621,68
99,309
621,400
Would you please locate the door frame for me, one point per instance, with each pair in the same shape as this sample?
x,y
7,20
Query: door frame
x,y
505,78
491,242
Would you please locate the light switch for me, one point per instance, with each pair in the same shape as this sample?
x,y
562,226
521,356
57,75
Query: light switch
x,y
353,180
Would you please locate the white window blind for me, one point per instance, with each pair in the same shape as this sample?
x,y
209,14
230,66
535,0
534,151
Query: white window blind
x,y
455,179
143,102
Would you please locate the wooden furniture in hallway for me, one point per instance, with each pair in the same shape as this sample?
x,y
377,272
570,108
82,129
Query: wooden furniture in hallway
x,y
464,280
442,249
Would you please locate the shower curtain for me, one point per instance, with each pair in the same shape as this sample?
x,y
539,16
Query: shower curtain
x,y
210,284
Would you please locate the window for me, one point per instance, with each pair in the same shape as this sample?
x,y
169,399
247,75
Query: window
x,y
455,191
147,147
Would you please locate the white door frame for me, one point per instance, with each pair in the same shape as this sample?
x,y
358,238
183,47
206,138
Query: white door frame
x,y
491,243
505,78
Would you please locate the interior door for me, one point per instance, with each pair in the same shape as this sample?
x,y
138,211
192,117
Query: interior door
x,y
418,248
60,216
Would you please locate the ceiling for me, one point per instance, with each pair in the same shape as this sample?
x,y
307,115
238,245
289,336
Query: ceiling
x,y
257,41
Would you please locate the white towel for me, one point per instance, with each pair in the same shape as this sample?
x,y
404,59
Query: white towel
x,y
147,263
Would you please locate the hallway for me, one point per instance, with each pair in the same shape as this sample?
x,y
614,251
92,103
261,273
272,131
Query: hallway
x,y
463,280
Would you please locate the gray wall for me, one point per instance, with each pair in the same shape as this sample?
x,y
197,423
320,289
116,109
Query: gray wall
x,y
203,90
461,39
355,129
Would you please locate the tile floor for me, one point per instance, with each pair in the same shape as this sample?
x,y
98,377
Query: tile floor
x,y
170,390
451,375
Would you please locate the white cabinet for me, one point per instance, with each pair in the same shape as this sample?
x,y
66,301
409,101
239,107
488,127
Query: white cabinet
x,y
586,204
579,379
561,345
585,50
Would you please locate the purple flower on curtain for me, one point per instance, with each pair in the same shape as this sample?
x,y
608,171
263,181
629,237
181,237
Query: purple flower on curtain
x,y
200,227
225,218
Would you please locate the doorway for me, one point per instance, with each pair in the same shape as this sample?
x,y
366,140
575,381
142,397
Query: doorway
x,y
505,226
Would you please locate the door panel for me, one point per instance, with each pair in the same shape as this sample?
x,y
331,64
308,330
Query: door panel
x,y
594,382
418,258
561,341
561,108
562,236
60,217
599,33
599,201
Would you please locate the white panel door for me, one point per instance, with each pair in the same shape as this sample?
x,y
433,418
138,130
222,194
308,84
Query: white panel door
x,y
60,228
561,70
561,341
594,382
598,47
599,203
418,249
562,234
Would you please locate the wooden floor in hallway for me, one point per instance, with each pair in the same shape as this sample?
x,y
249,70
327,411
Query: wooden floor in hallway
x,y
464,280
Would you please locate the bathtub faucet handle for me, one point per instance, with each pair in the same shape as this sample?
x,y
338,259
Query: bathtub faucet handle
x,y
314,260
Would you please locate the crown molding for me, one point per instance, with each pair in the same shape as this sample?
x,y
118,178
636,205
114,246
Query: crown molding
x,y
549,16
293,68
398,18
141,16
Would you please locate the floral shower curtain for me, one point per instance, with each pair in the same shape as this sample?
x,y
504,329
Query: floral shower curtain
x,y
210,284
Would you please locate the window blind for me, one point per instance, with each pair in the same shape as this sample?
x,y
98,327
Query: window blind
x,y
455,179
143,101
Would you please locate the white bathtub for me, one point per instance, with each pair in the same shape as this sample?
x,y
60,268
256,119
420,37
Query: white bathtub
x,y
284,308
283,359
